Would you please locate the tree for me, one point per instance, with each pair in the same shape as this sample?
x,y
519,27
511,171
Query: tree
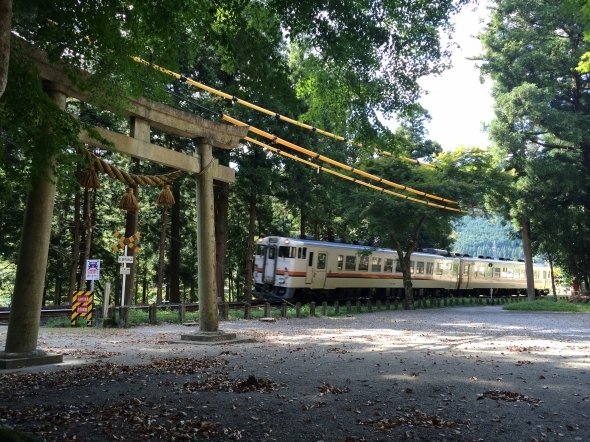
x,y
531,50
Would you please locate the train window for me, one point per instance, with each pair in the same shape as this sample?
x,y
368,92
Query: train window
x,y
497,272
420,268
304,253
466,270
388,268
298,252
364,263
439,268
340,262
310,261
412,267
398,266
271,252
536,273
321,261
376,264
260,249
350,263
429,268
286,252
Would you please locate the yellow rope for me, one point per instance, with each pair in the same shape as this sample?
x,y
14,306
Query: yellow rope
x,y
266,111
335,163
349,178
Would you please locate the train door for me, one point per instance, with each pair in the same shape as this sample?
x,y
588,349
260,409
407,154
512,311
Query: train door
x,y
270,264
319,271
464,275
309,270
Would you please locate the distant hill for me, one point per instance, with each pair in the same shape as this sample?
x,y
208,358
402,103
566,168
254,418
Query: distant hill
x,y
479,236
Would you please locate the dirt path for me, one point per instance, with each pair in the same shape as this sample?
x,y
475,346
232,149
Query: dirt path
x,y
476,373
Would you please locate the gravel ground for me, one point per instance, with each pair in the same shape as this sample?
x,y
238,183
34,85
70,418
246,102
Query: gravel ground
x,y
457,374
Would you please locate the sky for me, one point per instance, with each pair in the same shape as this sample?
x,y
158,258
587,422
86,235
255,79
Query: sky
x,y
457,101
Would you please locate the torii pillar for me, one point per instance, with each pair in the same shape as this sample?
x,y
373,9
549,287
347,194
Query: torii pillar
x,y
208,313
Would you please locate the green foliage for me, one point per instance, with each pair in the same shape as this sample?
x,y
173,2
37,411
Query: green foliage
x,y
332,64
531,50
548,305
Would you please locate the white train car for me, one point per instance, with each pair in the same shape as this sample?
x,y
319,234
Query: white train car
x,y
288,268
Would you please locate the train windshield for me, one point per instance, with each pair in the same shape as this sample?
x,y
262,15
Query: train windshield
x,y
260,249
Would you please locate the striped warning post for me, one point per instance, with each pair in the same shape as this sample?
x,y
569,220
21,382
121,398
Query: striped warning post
x,y
82,307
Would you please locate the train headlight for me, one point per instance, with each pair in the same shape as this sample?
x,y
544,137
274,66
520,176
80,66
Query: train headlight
x,y
280,280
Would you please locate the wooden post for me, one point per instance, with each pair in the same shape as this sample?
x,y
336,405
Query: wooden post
x,y
336,308
324,308
152,313
208,314
298,310
348,306
312,308
359,305
266,310
181,313
283,309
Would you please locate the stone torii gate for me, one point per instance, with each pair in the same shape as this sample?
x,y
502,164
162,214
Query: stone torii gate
x,y
21,341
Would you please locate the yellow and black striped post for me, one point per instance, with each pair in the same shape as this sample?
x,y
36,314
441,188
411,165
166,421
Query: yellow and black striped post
x,y
82,307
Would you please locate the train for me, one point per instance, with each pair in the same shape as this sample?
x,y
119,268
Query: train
x,y
306,269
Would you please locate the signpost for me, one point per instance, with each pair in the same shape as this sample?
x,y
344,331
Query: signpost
x,y
82,307
131,242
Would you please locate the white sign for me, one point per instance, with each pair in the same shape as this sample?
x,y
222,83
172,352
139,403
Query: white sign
x,y
92,269
125,259
125,270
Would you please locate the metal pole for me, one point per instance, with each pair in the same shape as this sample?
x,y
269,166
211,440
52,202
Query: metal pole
x,y
124,280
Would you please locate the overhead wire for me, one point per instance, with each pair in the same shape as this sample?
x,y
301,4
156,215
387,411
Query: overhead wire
x,y
236,100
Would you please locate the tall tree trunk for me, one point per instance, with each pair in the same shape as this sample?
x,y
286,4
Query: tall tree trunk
x,y
144,288
405,260
163,225
221,195
87,236
405,263
174,259
552,278
5,28
525,230
249,264
75,254
130,229
57,294
302,221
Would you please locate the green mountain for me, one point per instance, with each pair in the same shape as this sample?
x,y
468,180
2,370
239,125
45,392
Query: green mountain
x,y
479,236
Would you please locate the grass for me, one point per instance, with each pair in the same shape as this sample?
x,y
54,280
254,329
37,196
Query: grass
x,y
548,305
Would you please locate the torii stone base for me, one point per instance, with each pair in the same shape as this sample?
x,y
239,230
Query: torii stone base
x,y
28,359
214,338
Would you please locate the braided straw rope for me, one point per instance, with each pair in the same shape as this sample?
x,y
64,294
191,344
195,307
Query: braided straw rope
x,y
132,179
